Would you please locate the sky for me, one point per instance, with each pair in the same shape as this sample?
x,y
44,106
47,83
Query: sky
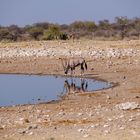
x,y
27,12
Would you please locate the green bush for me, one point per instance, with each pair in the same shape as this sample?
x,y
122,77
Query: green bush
x,y
63,36
52,33
5,34
35,32
47,35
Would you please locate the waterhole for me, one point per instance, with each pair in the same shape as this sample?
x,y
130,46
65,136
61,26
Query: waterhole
x,y
25,89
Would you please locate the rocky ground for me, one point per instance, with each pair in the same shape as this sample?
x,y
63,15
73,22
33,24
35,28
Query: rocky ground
x,y
107,114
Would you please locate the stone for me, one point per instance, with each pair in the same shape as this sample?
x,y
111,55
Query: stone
x,y
86,135
80,114
34,126
31,133
22,132
106,125
1,128
108,97
81,130
128,106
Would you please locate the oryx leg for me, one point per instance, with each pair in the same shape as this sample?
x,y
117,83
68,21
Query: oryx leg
x,y
82,69
73,71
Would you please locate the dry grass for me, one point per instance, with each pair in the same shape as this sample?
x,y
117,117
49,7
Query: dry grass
x,y
84,43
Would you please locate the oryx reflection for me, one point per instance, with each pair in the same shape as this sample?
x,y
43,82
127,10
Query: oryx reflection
x,y
73,86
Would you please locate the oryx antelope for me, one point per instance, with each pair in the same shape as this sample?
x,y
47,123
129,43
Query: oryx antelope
x,y
72,63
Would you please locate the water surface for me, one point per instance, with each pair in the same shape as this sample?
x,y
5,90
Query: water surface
x,y
25,89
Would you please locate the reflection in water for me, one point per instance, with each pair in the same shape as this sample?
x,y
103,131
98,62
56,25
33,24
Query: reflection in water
x,y
74,88
23,89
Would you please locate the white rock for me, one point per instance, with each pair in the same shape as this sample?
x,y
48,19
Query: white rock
x,y
31,133
80,114
81,130
128,105
86,135
106,125
122,128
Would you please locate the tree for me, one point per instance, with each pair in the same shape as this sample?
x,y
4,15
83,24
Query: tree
x,y
15,31
122,23
5,34
121,20
52,33
43,25
35,32
77,26
137,26
90,26
104,24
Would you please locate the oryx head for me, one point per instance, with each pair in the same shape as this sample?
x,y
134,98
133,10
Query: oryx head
x,y
65,65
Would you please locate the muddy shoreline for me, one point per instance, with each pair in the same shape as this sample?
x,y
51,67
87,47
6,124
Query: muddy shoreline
x,y
107,114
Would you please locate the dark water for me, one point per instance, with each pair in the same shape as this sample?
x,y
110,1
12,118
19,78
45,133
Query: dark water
x,y
25,89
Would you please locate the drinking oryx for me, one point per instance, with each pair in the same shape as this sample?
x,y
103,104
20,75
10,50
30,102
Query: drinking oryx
x,y
72,63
